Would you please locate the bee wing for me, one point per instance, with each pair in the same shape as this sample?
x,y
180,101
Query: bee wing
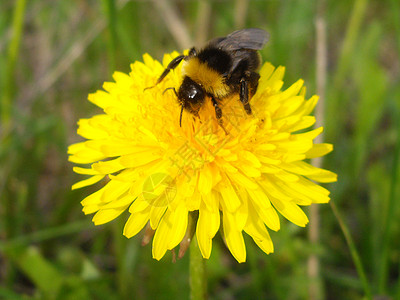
x,y
251,39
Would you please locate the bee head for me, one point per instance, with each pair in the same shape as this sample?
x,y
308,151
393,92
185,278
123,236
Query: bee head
x,y
191,95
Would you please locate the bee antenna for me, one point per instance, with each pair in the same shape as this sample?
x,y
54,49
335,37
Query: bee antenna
x,y
148,88
180,118
170,88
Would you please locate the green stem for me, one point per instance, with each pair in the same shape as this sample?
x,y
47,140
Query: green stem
x,y
110,11
353,251
395,172
8,84
6,138
120,244
390,218
198,282
45,235
352,32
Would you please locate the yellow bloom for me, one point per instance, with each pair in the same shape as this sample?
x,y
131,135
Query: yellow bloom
x,y
161,172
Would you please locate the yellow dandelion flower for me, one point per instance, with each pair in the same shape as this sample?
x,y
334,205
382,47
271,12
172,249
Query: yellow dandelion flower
x,y
161,172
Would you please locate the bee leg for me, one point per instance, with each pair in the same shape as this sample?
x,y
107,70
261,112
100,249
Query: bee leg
x,y
175,62
244,95
172,65
218,113
180,117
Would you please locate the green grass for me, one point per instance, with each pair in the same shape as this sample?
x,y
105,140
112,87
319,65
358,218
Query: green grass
x,y
52,54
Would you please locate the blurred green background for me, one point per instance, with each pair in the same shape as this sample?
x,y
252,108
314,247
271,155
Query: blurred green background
x,y
53,53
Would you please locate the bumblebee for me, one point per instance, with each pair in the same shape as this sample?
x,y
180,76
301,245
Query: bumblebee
x,y
225,66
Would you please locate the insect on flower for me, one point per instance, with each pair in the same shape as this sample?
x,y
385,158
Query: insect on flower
x,y
225,66
176,181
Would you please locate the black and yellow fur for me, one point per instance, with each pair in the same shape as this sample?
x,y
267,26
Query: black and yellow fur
x,y
225,66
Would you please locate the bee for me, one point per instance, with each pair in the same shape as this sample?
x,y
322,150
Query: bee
x,y
225,66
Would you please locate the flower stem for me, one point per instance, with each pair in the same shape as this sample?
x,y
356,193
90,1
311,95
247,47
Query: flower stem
x,y
198,282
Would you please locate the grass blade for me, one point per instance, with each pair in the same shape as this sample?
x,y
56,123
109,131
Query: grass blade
x,y
13,49
110,11
353,251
